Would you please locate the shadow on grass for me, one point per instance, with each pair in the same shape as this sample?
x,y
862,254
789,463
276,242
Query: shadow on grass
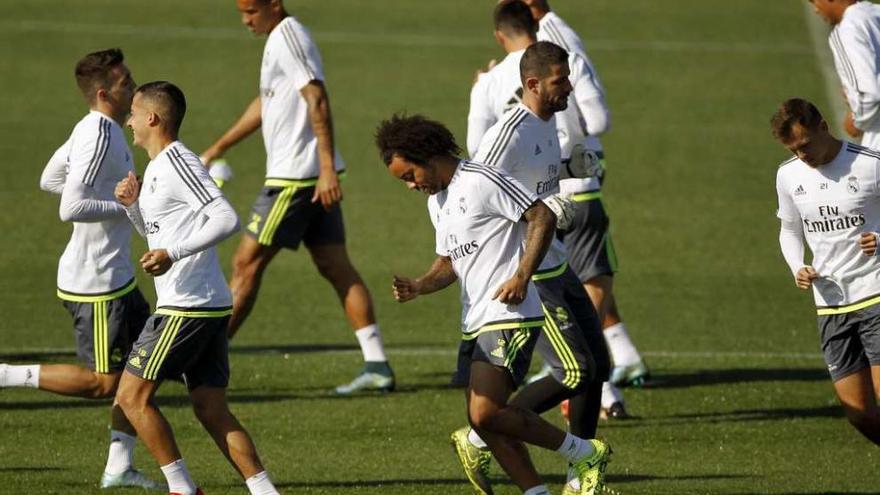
x,y
738,415
557,479
736,375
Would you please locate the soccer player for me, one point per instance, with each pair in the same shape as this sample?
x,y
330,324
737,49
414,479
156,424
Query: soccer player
x,y
855,44
95,275
300,199
524,144
491,235
588,240
828,194
183,215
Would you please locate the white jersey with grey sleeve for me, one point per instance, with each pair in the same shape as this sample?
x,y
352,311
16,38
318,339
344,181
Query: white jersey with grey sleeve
x,y
527,148
290,61
175,193
835,203
96,263
855,44
477,222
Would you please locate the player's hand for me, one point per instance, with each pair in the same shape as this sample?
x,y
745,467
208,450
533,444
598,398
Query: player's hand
x,y
868,243
327,190
492,63
405,289
805,276
156,262
128,189
209,155
513,291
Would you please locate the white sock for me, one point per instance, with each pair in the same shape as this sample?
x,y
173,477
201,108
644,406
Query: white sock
x,y
537,490
623,351
371,343
20,376
574,448
610,395
178,478
260,484
475,440
119,459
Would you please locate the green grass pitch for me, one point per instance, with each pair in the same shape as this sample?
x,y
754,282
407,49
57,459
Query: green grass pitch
x,y
741,404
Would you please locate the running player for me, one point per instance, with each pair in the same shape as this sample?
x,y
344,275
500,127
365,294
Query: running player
x,y
183,215
589,239
491,234
300,198
95,276
828,195
855,44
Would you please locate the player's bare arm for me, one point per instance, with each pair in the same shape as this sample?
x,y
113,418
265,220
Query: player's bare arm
x,y
250,121
327,190
868,243
850,127
539,235
438,277
805,276
127,190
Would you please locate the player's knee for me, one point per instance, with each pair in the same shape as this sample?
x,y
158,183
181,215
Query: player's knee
x,y
210,414
246,267
484,416
863,419
104,385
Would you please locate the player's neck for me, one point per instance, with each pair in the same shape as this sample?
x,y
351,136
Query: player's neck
x,y
446,167
158,142
277,21
519,43
107,110
532,103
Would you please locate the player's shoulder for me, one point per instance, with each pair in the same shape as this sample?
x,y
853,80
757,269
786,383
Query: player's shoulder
x,y
861,153
789,167
857,18
504,133
93,123
290,27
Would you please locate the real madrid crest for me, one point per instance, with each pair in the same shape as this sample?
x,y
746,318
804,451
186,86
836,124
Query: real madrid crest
x,y
852,184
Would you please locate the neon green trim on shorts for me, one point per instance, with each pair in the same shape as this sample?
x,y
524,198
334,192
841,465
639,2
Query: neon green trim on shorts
x,y
101,340
83,298
194,313
507,325
276,215
849,308
160,352
587,196
569,363
550,272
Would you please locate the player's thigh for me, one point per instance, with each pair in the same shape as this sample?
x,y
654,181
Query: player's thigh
x,y
503,357
855,392
842,347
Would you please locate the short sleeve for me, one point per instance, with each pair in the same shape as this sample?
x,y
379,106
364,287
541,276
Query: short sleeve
x,y
500,193
500,146
191,182
433,212
299,57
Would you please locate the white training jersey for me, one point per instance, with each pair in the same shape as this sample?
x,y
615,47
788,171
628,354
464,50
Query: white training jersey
x,y
835,203
527,148
96,263
499,90
855,43
290,62
176,187
477,222
552,28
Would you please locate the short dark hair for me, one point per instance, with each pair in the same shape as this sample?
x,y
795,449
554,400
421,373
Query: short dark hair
x,y
514,18
539,58
92,72
794,111
414,138
169,100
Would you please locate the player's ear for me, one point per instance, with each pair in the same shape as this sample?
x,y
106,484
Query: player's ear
x,y
498,37
100,94
153,119
532,84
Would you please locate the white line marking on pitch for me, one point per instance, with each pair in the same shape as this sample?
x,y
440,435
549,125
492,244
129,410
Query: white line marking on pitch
x,y
222,33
